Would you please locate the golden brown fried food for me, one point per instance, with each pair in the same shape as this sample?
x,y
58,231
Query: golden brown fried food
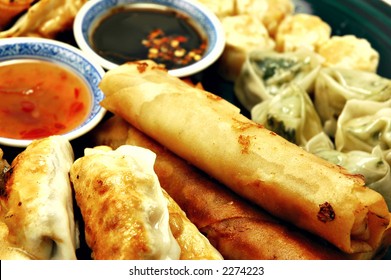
x,y
281,177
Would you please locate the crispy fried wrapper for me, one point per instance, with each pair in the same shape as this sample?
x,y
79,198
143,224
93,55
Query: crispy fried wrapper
x,y
282,178
46,19
236,227
127,214
37,215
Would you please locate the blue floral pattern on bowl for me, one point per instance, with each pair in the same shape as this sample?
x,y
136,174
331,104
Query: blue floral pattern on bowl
x,y
90,15
68,56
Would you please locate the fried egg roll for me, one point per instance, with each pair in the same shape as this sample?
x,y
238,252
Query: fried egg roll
x,y
238,229
257,164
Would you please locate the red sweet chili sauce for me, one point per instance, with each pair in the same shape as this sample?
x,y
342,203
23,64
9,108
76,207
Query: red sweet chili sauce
x,y
39,99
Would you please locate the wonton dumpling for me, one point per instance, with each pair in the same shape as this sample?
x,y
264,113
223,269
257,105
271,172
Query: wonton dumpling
x,y
264,74
290,114
349,52
302,31
334,86
243,33
372,165
363,125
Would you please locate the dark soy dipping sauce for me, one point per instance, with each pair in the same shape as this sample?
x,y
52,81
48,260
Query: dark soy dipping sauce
x,y
118,36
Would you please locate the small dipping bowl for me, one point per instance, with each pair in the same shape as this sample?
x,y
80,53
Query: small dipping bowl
x,y
204,22
77,84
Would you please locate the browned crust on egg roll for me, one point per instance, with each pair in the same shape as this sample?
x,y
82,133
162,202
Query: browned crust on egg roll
x,y
238,229
259,165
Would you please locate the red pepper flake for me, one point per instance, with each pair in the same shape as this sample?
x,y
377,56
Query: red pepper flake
x,y
75,108
35,133
326,212
59,126
63,76
76,92
27,106
169,48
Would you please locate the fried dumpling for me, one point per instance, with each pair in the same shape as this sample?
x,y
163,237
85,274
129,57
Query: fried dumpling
x,y
122,204
291,114
46,18
264,74
10,9
334,86
37,201
248,158
372,165
4,167
349,52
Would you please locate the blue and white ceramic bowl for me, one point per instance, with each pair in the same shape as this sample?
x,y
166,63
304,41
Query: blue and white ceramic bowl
x,y
211,26
68,56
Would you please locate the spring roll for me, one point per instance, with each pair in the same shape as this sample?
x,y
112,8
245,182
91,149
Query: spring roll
x,y
37,201
254,162
126,213
236,228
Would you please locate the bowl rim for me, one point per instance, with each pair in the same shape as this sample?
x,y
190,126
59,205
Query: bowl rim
x,y
189,70
92,120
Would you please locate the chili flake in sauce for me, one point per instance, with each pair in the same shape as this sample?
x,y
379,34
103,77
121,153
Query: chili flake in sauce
x,y
165,49
168,37
39,99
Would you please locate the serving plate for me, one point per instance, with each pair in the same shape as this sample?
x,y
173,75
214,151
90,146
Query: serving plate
x,y
367,19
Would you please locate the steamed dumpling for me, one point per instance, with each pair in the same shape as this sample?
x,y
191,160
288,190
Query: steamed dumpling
x,y
265,73
251,7
334,86
224,8
243,33
372,165
276,12
220,8
349,52
302,31
290,114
